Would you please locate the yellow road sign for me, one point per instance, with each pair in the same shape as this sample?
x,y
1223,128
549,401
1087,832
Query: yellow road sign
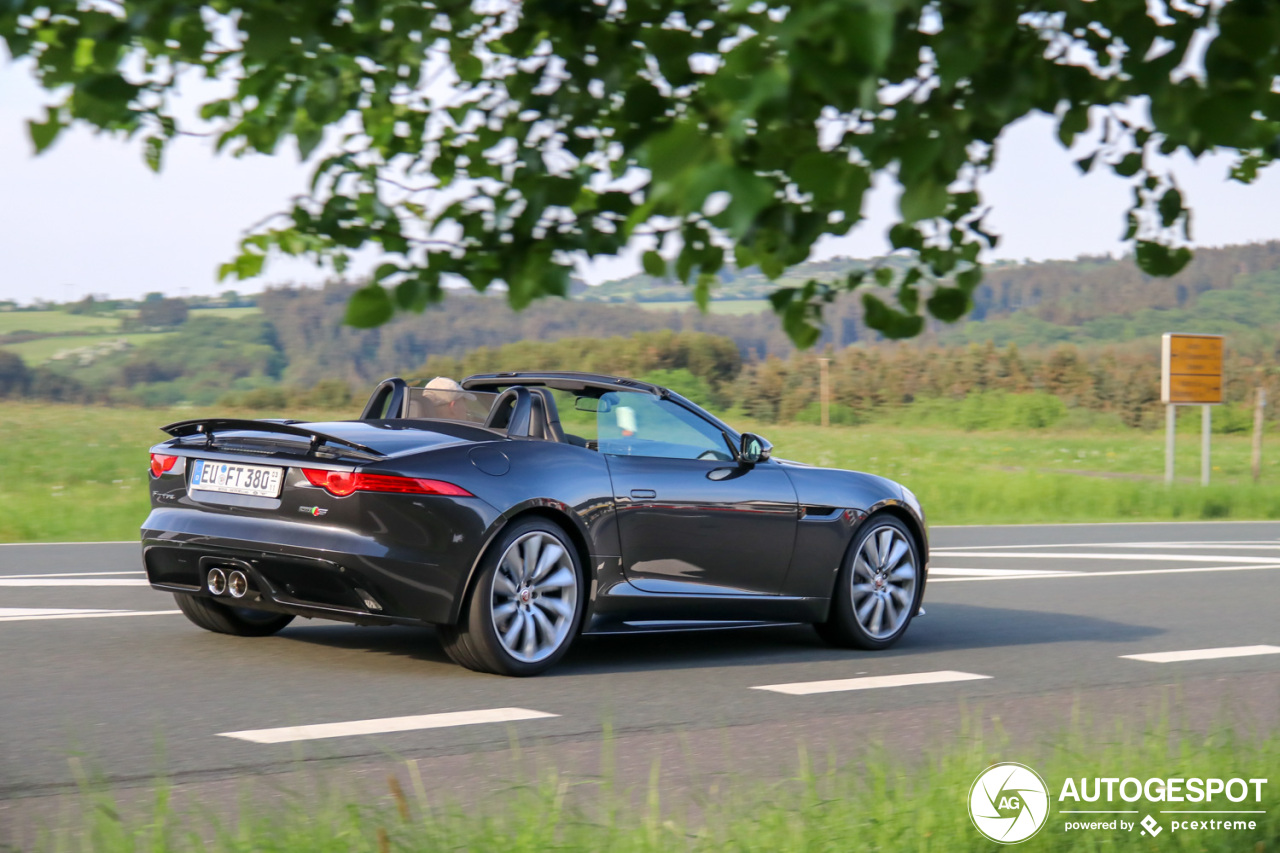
x,y
1191,369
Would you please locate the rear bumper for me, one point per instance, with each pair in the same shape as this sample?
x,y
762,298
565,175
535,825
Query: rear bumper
x,y
414,573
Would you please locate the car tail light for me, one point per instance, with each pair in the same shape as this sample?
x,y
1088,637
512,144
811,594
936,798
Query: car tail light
x,y
161,464
343,483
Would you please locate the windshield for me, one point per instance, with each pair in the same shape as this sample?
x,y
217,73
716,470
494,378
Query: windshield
x,y
470,407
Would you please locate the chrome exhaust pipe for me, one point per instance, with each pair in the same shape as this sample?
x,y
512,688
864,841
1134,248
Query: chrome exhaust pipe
x,y
237,584
217,581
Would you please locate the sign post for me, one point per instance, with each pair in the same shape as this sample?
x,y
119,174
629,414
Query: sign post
x,y
1190,375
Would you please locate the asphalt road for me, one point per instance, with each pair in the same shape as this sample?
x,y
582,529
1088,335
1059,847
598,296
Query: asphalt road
x,y
99,675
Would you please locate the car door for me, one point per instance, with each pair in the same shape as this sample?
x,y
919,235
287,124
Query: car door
x,y
690,518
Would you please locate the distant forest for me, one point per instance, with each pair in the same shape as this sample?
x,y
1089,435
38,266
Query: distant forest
x,y
1045,339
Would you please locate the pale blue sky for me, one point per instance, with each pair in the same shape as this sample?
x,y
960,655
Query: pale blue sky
x,y
89,217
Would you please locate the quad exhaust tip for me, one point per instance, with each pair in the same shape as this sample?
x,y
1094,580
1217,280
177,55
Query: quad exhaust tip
x,y
217,581
237,584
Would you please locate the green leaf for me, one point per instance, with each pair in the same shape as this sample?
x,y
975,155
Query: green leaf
x,y
1084,164
796,323
890,322
249,264
44,133
1158,259
153,151
370,306
949,304
884,276
969,279
654,265
923,199
702,290
1170,207
781,297
1074,121
1129,165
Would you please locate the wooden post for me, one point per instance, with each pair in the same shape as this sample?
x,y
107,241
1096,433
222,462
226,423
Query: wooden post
x,y
1170,427
1206,414
1259,422
824,390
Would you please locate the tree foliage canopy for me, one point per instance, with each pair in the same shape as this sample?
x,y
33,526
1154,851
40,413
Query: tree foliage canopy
x,y
497,141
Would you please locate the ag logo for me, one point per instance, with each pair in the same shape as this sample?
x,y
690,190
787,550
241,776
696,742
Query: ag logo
x,y
1008,802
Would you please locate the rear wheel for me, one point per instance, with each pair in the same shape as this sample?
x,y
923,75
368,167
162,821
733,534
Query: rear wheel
x,y
523,609
878,588
224,619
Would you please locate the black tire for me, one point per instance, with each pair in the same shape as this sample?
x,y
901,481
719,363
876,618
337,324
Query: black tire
x,y
886,582
223,619
553,607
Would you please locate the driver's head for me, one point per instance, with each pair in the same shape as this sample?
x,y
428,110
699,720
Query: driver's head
x,y
446,395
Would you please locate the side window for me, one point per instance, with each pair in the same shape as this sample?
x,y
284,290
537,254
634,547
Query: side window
x,y
574,421
635,424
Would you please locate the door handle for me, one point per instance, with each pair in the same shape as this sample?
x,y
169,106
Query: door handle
x,y
643,493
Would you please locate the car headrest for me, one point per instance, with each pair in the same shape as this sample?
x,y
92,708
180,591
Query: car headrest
x,y
546,416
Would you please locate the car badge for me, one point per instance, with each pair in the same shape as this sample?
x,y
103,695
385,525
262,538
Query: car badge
x,y
313,510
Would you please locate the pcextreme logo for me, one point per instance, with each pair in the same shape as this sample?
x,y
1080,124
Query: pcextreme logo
x,y
1009,802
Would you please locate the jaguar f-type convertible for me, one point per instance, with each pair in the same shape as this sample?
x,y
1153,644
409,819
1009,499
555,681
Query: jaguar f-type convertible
x,y
518,511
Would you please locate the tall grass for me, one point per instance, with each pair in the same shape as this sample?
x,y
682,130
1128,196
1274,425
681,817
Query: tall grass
x,y
882,802
79,473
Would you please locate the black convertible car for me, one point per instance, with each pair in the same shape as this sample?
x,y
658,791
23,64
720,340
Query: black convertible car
x,y
518,511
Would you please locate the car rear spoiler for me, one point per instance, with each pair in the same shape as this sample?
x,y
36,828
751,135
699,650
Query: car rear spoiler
x,y
208,426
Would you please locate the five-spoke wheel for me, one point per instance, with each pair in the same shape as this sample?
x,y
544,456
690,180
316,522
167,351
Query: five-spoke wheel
x,y
878,588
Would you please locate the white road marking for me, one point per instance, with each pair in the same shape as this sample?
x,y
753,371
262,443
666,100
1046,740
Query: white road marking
x,y
1042,575
386,725
992,573
1239,544
41,581
73,575
806,688
1205,654
43,544
30,614
1035,555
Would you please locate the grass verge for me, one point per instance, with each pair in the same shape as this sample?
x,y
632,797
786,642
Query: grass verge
x,y
880,803
79,473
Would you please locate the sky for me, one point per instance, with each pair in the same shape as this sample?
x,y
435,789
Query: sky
x,y
88,216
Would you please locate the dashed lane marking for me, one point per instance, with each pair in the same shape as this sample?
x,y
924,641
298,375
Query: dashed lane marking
x,y
1205,654
48,581
386,725
1038,555
36,614
935,571
1033,575
73,575
910,679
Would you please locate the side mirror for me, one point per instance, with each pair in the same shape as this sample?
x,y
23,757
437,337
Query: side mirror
x,y
754,449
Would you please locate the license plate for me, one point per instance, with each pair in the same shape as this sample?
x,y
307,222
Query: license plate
x,y
258,480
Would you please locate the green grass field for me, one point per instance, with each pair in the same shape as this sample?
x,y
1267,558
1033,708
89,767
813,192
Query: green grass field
x,y
74,473
42,350
55,322
222,312
733,307
879,802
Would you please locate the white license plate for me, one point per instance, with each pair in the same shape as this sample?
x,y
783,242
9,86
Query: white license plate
x,y
258,480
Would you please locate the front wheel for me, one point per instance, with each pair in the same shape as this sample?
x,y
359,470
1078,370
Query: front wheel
x,y
524,607
224,619
878,588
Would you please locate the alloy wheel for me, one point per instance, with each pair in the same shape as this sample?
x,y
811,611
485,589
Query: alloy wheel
x,y
534,597
884,582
